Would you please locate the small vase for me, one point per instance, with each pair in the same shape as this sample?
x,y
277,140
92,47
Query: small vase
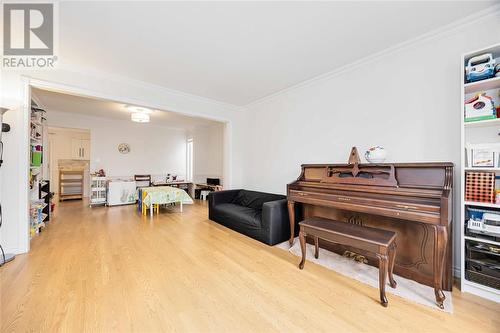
x,y
376,154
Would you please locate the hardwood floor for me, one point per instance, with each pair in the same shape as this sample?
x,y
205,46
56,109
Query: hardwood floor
x,y
113,270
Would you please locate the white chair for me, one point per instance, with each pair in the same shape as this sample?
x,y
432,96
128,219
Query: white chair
x,y
203,194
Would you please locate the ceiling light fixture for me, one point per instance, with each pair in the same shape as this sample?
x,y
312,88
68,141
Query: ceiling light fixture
x,y
140,117
133,108
139,114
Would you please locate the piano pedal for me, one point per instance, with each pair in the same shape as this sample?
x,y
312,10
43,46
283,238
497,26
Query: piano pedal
x,y
361,259
356,257
349,254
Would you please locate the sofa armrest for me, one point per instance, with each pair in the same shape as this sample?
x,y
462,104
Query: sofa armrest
x,y
275,220
220,197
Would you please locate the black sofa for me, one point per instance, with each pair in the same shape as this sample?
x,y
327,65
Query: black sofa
x,y
261,216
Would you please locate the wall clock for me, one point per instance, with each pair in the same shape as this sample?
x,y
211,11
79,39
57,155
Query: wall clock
x,y
124,148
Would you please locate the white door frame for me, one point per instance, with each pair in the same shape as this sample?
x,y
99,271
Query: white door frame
x,y
189,159
28,82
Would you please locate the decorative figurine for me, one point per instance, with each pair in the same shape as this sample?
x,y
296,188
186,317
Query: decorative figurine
x,y
376,154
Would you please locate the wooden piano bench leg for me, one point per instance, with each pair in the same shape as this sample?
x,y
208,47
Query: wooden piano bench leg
x,y
392,259
316,247
382,273
291,215
302,237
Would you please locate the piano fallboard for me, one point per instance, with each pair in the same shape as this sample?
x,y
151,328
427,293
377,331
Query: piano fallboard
x,y
420,209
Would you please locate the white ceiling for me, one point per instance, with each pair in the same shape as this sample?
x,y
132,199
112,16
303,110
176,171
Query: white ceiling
x,y
55,101
237,52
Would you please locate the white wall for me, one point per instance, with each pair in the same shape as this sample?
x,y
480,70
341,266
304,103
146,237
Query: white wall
x,y
154,150
407,100
208,152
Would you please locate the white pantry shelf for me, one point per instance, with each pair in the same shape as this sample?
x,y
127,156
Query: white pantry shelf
x,y
483,123
481,204
96,189
481,240
482,85
482,169
483,131
480,290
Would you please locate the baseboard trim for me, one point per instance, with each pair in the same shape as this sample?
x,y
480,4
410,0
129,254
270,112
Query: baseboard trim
x,y
456,271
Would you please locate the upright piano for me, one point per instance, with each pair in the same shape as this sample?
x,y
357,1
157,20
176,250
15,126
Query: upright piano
x,y
412,199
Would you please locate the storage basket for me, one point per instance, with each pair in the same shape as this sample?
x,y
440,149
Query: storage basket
x,y
486,267
483,279
480,187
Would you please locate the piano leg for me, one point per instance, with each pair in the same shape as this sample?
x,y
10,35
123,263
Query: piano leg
x,y
291,217
440,242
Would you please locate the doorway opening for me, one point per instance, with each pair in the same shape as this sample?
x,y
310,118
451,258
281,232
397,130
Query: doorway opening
x,y
86,144
190,155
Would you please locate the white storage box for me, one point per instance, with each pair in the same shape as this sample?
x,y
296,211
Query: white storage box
x,y
490,224
121,192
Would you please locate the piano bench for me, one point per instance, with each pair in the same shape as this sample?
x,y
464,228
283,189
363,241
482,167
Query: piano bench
x,y
380,242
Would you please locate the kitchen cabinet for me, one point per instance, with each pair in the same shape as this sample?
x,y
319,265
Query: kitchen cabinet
x,y
80,149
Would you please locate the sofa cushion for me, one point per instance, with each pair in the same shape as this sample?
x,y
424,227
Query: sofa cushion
x,y
253,199
252,218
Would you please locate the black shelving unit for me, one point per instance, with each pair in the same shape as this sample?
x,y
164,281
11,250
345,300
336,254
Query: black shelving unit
x,y
44,194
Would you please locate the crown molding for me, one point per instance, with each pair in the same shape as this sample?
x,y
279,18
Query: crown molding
x,y
95,118
67,129
143,84
492,12
85,92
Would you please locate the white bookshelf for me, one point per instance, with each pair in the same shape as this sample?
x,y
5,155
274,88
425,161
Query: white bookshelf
x,y
478,132
37,143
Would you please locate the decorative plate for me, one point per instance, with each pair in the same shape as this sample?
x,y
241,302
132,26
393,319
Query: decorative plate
x,y
124,148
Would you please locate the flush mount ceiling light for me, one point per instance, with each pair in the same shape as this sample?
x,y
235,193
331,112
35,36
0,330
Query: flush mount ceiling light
x,y
140,117
139,114
133,108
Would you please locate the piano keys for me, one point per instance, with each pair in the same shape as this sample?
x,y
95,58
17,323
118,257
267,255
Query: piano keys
x,y
413,199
